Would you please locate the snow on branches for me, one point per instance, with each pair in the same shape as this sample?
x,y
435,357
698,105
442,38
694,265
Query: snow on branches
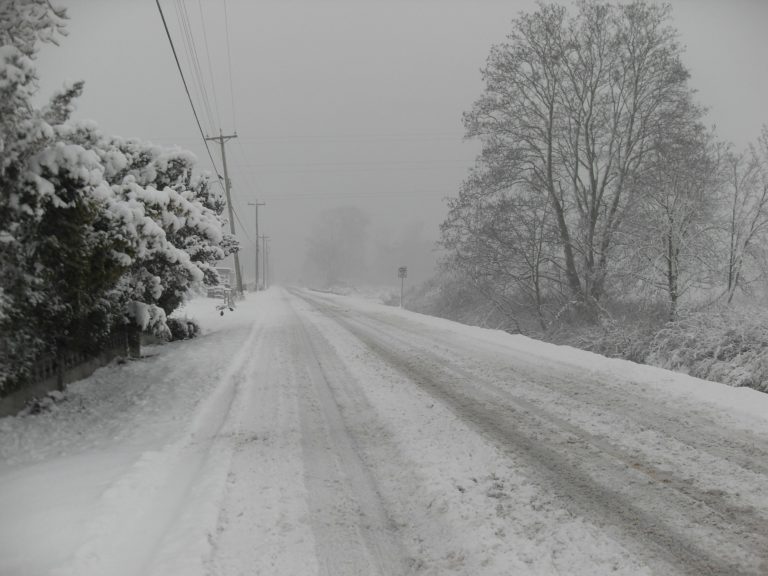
x,y
95,231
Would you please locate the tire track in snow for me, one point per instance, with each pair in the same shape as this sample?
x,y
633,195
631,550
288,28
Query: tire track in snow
x,y
591,397
722,467
741,447
262,526
587,398
520,428
637,417
353,533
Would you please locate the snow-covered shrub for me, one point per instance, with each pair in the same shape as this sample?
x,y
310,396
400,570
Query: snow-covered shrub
x,y
95,232
725,345
628,341
624,329
46,403
454,296
149,318
183,328
175,212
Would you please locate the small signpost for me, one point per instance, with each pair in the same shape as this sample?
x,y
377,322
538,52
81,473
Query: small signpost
x,y
402,272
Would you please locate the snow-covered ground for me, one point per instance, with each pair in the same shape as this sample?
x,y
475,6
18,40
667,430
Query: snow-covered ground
x,y
308,433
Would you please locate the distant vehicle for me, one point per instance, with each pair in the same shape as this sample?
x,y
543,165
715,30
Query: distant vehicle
x,y
225,283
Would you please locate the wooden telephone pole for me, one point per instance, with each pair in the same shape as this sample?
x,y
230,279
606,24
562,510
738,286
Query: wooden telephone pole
x,y
265,263
221,139
256,210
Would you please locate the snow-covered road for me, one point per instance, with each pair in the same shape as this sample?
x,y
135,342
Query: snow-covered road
x,y
315,434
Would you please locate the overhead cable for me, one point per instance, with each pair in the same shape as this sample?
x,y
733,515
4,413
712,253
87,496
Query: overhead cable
x,y
194,60
210,66
242,227
186,87
229,65
250,183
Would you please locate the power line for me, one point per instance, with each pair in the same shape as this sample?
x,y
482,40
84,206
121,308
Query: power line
x,y
251,184
194,82
242,227
200,77
229,65
354,163
374,138
383,169
186,87
378,194
194,59
210,66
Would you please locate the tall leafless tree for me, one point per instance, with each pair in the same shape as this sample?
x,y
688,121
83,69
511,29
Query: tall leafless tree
x,y
572,107
673,232
503,242
746,198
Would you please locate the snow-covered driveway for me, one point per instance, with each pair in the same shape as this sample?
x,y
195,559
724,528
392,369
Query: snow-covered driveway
x,y
315,434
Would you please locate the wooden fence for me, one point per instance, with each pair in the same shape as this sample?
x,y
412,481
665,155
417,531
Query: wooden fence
x,y
54,372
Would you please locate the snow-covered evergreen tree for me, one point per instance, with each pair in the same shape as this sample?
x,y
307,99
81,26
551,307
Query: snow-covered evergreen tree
x,y
24,132
95,231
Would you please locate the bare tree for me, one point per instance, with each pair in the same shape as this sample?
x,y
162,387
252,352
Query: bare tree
x,y
571,110
747,210
503,242
674,229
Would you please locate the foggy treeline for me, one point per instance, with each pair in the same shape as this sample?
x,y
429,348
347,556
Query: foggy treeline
x,y
602,198
344,248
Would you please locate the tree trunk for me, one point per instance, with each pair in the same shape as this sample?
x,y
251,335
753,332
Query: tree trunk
x,y
672,277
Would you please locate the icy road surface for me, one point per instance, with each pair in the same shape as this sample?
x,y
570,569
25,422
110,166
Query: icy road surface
x,y
314,434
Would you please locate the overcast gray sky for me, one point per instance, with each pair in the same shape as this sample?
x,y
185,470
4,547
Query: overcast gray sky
x,y
349,102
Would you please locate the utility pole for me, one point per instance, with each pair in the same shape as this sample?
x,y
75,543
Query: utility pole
x,y
221,139
256,220
264,259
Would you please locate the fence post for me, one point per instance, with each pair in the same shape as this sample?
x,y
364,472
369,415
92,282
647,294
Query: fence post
x,y
133,336
59,367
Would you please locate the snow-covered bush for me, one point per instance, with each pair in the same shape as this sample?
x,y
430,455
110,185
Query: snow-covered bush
x,y
95,232
627,341
24,132
173,212
183,328
726,345
456,297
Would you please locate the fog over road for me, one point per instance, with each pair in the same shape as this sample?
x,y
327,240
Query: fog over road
x,y
309,433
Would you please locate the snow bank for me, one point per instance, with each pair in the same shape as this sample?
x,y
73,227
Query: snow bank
x,y
743,400
80,483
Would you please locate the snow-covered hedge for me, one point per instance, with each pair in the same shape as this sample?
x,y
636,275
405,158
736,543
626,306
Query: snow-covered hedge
x,y
95,231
